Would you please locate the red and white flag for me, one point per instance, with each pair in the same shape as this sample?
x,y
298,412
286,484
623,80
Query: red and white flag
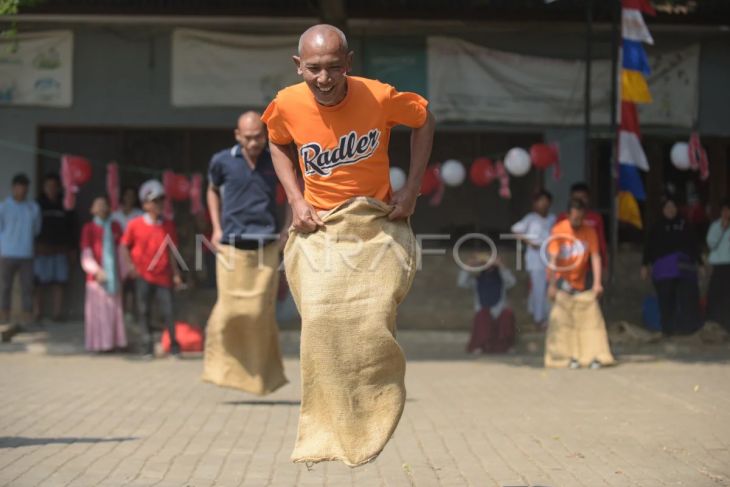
x,y
112,185
504,191
633,27
698,156
630,151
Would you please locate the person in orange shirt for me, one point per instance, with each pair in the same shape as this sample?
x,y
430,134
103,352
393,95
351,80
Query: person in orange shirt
x,y
336,129
592,219
576,333
341,127
575,249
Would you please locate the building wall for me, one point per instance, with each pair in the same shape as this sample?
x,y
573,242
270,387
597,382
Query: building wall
x,y
122,78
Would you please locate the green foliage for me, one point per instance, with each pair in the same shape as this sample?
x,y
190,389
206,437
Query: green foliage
x,y
10,8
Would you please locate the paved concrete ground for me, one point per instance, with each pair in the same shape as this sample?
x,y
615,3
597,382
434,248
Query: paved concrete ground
x,y
82,420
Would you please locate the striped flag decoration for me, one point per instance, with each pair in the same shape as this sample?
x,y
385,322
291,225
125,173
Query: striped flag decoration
x,y
634,89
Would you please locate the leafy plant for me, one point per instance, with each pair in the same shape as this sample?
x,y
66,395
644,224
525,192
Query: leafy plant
x,y
10,8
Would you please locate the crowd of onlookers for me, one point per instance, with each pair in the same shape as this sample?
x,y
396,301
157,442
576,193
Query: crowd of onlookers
x,y
673,260
126,256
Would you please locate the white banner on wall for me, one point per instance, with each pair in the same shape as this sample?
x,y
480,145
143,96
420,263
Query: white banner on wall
x,y
467,82
36,69
212,69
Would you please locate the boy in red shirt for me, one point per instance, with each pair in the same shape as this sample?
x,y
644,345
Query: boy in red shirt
x,y
146,246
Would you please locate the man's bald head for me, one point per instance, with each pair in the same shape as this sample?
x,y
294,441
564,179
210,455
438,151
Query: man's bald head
x,y
250,119
323,37
251,135
323,62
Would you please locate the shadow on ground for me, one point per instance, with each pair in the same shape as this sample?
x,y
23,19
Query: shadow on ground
x,y
262,403
20,441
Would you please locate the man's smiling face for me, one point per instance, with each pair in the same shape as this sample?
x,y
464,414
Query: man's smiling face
x,y
323,62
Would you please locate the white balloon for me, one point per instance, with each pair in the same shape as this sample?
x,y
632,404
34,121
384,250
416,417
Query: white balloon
x,y
397,178
453,173
680,156
517,161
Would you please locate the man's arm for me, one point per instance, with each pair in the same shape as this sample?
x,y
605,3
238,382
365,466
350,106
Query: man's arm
x,y
304,216
404,200
552,276
213,197
37,219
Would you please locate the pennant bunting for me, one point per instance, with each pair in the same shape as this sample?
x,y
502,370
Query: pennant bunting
x,y
630,180
628,209
633,27
630,118
698,156
630,151
196,194
634,57
503,175
112,185
644,6
634,87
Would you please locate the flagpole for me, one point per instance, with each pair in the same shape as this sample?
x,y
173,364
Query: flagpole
x,y
615,16
587,90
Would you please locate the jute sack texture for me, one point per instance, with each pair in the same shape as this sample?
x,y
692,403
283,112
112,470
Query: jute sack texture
x,y
347,280
576,330
242,338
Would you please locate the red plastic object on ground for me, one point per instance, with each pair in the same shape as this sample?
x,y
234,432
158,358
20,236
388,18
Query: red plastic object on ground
x,y
190,338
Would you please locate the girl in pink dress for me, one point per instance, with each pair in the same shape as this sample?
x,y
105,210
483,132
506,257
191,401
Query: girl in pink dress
x,y
99,259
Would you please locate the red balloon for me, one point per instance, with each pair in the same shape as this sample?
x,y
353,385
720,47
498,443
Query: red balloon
x,y
482,172
179,188
79,170
544,155
431,181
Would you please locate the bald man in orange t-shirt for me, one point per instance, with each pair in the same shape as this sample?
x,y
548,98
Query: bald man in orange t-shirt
x,y
337,128
341,126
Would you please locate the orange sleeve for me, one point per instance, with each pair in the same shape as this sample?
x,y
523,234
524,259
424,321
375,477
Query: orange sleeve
x,y
405,108
274,120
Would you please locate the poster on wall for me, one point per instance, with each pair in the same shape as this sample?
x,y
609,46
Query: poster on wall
x,y
214,69
36,69
468,82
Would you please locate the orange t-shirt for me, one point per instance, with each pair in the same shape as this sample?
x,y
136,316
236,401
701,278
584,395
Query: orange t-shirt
x,y
573,249
343,149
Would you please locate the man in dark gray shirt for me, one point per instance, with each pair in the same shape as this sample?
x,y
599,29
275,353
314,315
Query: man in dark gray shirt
x,y
242,343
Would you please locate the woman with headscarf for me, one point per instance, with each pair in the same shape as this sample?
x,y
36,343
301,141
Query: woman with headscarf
x,y
103,307
672,255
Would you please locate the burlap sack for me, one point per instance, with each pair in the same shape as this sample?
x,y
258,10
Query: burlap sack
x,y
242,338
576,330
347,280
